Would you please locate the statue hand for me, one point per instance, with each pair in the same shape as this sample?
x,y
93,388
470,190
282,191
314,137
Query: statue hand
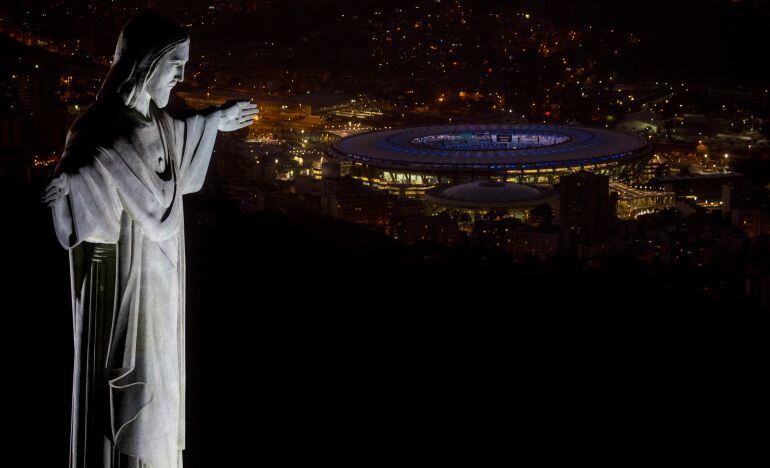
x,y
56,189
238,115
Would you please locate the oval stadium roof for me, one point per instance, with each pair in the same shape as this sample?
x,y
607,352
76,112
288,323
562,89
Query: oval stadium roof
x,y
404,148
483,194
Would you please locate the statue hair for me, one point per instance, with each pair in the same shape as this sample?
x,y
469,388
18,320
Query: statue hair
x,y
143,43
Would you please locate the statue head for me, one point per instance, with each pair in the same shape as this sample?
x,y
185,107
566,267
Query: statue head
x,y
167,73
149,60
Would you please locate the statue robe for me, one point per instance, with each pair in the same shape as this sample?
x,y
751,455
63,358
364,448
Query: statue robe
x,y
123,223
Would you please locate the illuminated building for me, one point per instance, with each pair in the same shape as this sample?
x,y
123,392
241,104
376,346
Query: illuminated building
x,y
633,201
347,199
354,110
10,132
539,243
37,91
480,200
753,221
703,189
45,117
277,114
409,161
641,122
364,207
520,240
245,163
439,229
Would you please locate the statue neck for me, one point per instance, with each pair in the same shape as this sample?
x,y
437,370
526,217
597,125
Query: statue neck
x,y
143,105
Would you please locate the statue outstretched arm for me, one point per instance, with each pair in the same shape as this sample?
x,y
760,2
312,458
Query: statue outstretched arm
x,y
194,139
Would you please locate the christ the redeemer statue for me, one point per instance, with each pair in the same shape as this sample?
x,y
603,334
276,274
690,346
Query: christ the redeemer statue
x,y
117,207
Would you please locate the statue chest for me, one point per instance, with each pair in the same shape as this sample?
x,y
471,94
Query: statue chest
x,y
154,150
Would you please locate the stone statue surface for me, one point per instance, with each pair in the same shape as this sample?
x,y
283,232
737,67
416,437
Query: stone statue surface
x,y
116,198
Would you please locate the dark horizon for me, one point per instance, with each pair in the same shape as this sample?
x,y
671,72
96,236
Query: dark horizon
x,y
713,42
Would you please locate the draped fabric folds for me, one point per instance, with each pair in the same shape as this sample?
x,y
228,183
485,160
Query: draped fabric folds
x,y
123,223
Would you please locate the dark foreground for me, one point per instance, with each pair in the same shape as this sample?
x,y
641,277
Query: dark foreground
x,y
312,342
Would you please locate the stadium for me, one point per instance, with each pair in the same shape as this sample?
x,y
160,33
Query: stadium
x,y
409,161
476,199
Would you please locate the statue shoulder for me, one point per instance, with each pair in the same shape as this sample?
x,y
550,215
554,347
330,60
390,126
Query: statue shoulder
x,y
100,126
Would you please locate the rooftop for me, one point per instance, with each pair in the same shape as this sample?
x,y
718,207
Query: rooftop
x,y
489,147
486,194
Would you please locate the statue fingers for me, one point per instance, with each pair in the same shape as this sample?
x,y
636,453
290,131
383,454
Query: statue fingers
x,y
49,198
248,113
246,118
248,106
54,186
52,191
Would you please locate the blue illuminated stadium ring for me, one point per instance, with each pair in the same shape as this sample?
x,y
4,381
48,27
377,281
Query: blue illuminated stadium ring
x,y
490,147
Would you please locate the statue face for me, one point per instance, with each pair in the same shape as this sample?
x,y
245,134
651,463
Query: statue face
x,y
169,72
